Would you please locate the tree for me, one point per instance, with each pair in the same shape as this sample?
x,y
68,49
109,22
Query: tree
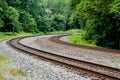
x,y
73,3
100,20
3,8
11,20
3,5
58,22
14,3
30,8
27,21
44,24
73,19
1,24
41,10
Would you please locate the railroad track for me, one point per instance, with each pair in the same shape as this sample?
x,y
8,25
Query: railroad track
x,y
100,71
57,40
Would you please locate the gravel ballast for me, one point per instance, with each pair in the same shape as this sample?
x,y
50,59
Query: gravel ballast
x,y
99,57
36,69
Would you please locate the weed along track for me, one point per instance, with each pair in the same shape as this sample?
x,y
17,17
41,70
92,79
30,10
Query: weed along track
x,y
97,70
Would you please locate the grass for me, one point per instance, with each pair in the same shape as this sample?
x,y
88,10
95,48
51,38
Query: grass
x,y
2,77
9,35
22,73
16,73
13,73
5,64
3,61
64,32
77,38
7,67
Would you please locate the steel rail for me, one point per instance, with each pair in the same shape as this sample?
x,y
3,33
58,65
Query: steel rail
x,y
95,69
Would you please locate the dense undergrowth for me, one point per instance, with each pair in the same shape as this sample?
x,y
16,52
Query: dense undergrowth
x,y
77,38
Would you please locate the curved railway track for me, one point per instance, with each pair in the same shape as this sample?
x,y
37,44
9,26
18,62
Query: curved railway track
x,y
100,71
57,40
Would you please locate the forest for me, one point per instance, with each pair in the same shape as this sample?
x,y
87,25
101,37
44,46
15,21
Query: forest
x,y
97,20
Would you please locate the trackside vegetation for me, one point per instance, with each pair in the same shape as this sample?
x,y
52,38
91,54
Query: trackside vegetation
x,y
9,69
97,20
77,38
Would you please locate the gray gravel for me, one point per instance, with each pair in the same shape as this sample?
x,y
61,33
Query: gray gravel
x,y
98,57
36,69
65,38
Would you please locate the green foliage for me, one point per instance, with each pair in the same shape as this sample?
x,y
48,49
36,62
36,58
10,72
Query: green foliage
x,y
115,10
11,20
44,24
58,22
31,15
2,4
78,38
73,3
1,24
100,21
14,3
27,21
76,21
8,18
55,6
3,7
